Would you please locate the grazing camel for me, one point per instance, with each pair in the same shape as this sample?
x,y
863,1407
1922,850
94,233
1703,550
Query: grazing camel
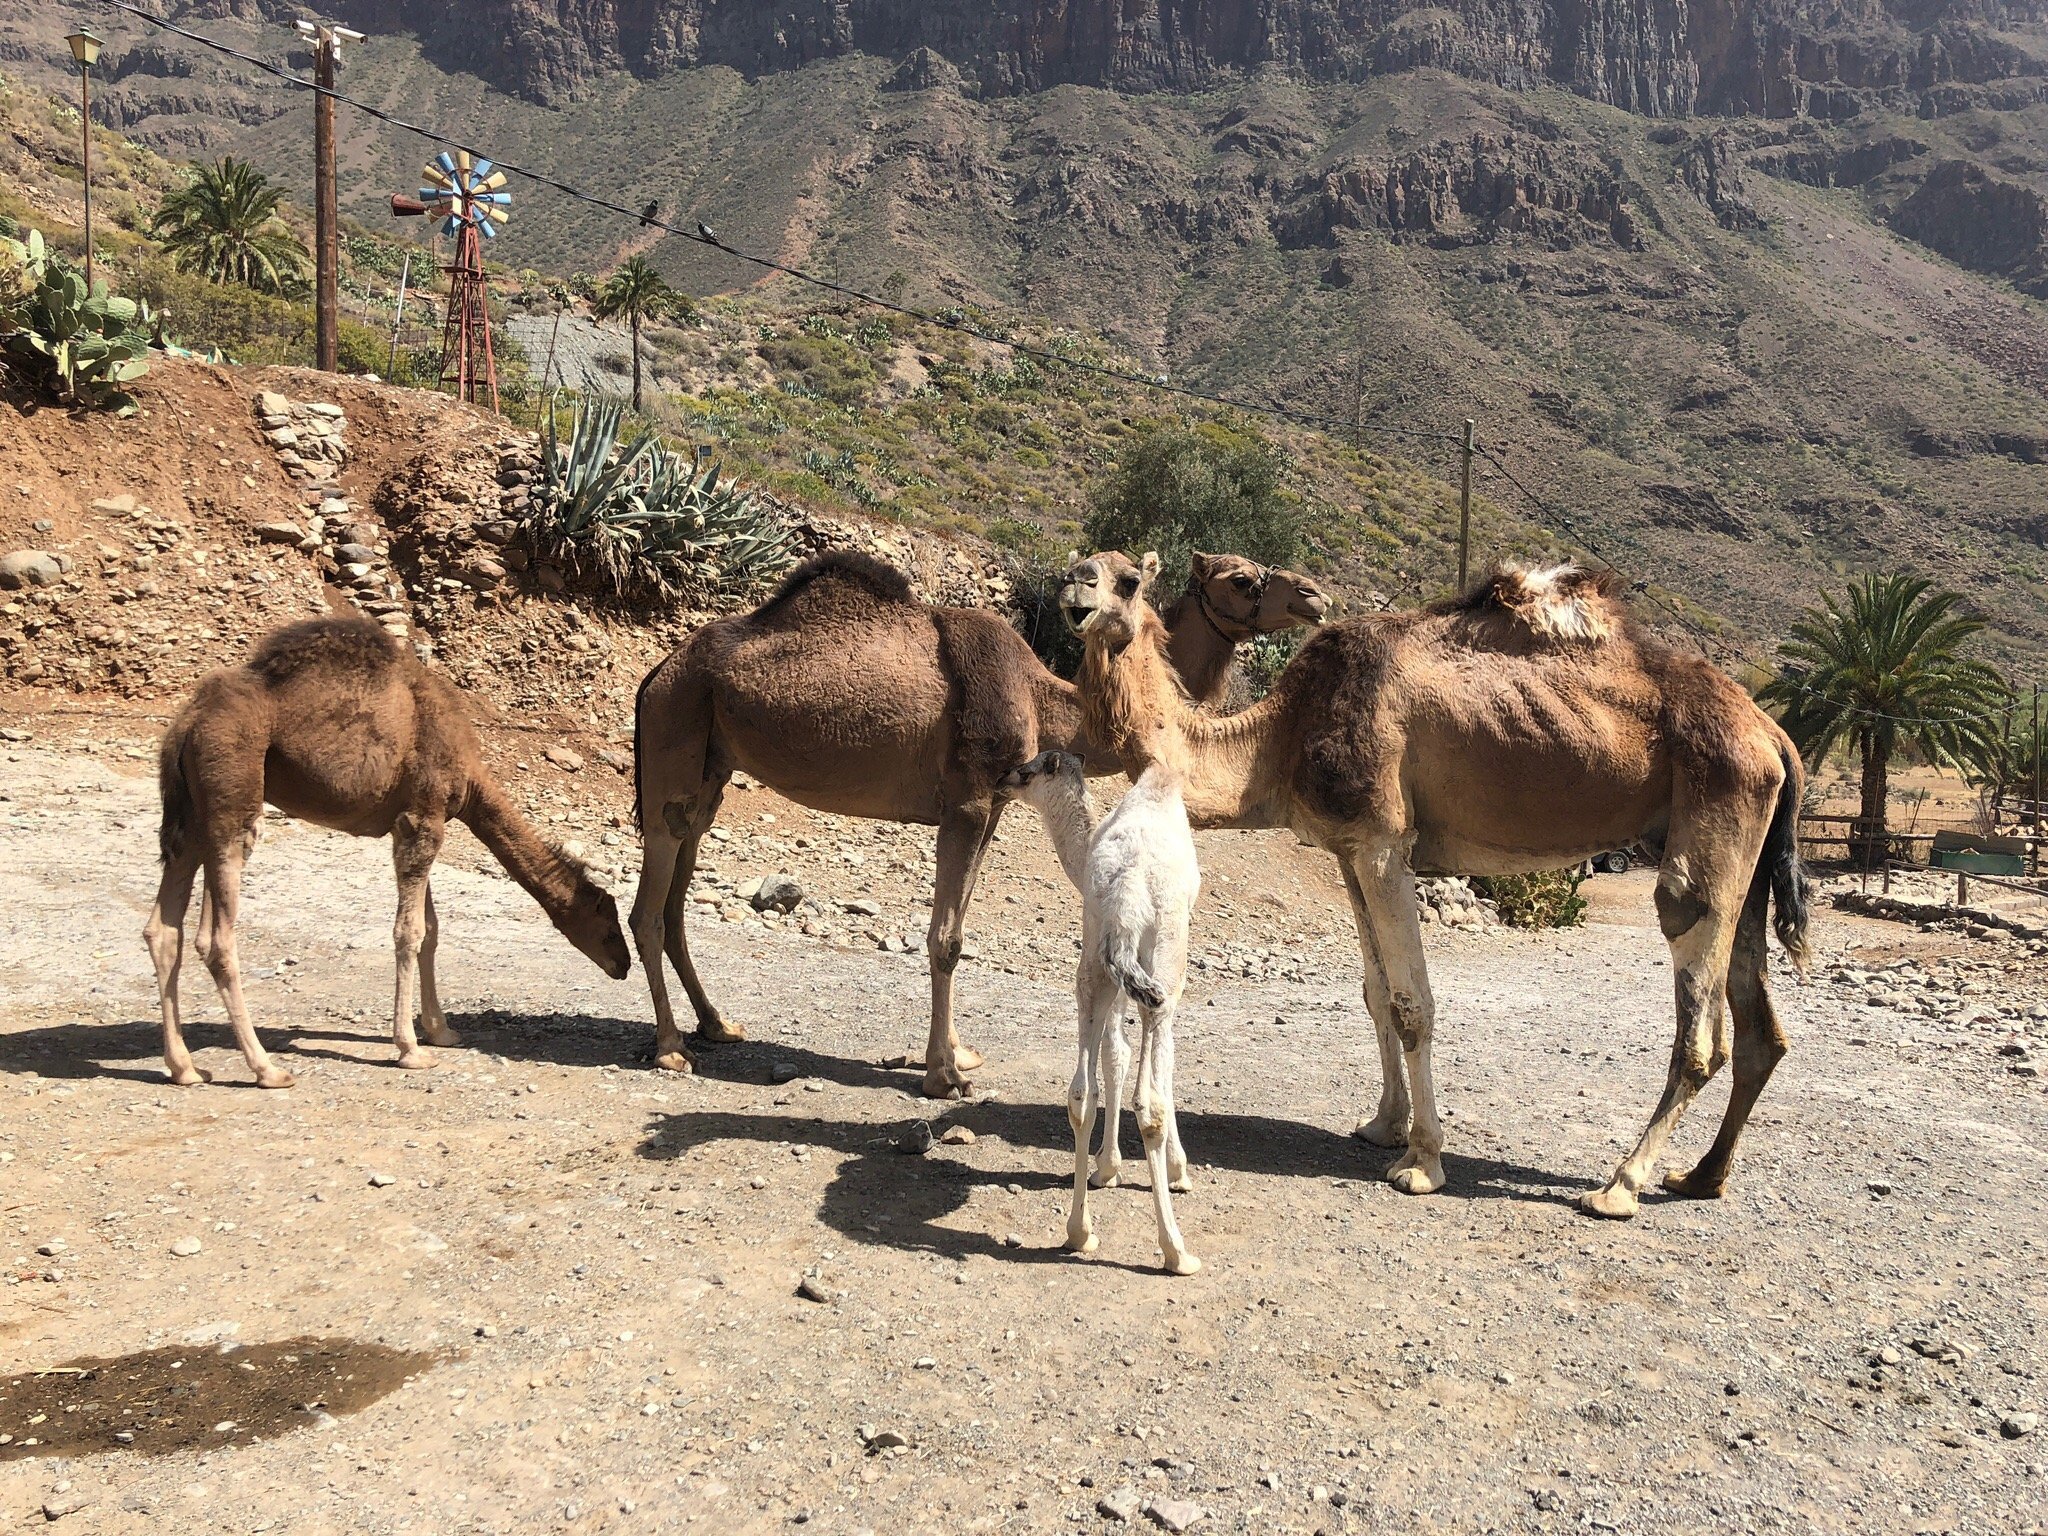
x,y
847,693
1521,726
336,723
1139,882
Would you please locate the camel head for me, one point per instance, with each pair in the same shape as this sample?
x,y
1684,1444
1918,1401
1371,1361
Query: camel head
x,y
1103,596
1232,591
1291,601
1047,768
590,921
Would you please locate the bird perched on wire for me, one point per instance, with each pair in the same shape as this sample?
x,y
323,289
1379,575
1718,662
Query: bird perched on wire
x,y
650,213
704,233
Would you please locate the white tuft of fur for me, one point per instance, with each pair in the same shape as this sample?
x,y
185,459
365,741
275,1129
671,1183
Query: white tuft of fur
x,y
1557,602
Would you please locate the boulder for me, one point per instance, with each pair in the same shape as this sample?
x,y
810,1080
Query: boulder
x,y
30,568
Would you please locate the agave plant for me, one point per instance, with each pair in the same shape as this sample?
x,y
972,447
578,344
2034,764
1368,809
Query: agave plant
x,y
81,343
639,517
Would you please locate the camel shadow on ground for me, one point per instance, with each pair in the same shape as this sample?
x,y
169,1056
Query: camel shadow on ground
x,y
881,1195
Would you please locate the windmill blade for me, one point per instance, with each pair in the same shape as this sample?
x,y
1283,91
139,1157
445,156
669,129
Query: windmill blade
x,y
446,162
492,182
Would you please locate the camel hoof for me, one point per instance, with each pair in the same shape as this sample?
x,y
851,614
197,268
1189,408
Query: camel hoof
x,y
676,1061
416,1060
191,1077
1181,1186
1086,1242
1617,1202
941,1084
444,1037
1383,1133
966,1059
1104,1180
718,1032
276,1077
1182,1264
1417,1177
1694,1186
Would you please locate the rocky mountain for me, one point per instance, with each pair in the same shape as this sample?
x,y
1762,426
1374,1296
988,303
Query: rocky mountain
x,y
1745,289
1771,58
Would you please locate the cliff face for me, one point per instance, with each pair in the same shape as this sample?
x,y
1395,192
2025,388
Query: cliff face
x,y
1663,57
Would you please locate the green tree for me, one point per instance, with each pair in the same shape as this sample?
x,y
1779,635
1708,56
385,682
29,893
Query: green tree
x,y
1879,666
224,225
639,293
1210,487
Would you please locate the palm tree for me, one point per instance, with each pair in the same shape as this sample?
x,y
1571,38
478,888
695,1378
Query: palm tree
x,y
639,293
224,226
1881,665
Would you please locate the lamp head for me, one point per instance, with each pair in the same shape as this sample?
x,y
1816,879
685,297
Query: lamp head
x,y
85,48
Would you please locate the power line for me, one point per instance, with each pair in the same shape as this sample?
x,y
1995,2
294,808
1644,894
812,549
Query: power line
x,y
701,235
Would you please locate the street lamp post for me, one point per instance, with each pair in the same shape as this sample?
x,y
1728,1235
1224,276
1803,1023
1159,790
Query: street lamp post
x,y
86,49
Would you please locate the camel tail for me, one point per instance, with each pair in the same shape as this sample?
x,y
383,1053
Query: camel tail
x,y
1780,879
175,831
1121,956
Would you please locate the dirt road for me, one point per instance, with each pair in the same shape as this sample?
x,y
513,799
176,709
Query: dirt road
x,y
593,1272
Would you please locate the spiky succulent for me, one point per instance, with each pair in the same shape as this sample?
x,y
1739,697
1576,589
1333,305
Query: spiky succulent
x,y
641,518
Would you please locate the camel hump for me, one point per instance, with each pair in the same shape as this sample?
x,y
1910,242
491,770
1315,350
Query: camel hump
x,y
852,567
1558,602
335,642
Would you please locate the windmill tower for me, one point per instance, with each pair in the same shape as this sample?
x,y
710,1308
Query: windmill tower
x,y
469,198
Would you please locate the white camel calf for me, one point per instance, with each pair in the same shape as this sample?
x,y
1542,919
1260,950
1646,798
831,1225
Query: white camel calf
x,y
1138,880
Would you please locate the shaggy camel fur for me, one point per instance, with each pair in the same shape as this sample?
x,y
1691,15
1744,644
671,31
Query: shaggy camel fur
x,y
335,722
846,693
1139,881
1522,726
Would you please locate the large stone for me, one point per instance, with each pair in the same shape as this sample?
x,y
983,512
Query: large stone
x,y
271,403
353,554
778,893
30,568
480,573
280,533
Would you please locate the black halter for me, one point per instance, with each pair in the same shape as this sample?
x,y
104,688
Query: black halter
x,y
1223,624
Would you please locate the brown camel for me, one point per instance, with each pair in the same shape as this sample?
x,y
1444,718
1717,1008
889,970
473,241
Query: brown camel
x,y
846,693
1522,726
336,723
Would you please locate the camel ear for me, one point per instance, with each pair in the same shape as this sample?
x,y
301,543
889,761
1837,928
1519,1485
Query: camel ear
x,y
1202,563
1073,558
1149,566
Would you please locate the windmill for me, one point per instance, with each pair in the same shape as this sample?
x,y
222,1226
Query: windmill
x,y
468,196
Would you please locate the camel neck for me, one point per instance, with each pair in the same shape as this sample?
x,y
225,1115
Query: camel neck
x,y
542,871
1135,709
1069,817
1200,648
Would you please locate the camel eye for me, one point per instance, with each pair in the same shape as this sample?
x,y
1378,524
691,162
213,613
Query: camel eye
x,y
1242,583
1127,586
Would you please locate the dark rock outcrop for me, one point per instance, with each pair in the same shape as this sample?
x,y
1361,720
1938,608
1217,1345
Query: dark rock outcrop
x,y
1980,221
1472,193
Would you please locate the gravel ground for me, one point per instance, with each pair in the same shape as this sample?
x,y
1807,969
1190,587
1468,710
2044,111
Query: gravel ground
x,y
594,1272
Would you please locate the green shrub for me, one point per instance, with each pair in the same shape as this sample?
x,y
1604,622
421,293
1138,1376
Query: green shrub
x,y
1178,489
79,343
1549,899
247,325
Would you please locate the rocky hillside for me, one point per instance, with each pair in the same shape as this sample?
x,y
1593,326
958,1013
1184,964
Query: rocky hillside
x,y
1745,353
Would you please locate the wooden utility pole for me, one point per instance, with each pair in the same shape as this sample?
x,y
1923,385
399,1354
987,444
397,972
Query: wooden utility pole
x,y
326,218
1465,509
327,43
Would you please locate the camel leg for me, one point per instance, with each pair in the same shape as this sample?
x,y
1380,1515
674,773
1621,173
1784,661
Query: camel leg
x,y
1389,1125
223,898
414,845
1116,1071
1388,888
1155,1104
433,1022
1095,999
711,1024
1699,922
964,835
660,852
1178,1178
1759,1046
164,933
